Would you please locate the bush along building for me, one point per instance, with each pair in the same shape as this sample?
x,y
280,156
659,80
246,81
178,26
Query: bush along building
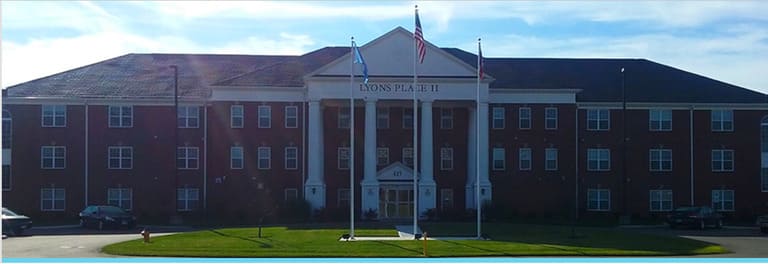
x,y
254,135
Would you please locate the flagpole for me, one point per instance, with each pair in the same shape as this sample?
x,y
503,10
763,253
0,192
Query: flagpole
x,y
352,140
415,132
477,138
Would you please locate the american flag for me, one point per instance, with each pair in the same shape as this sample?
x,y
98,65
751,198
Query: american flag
x,y
419,36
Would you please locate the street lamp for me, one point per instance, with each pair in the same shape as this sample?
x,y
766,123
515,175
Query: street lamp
x,y
176,131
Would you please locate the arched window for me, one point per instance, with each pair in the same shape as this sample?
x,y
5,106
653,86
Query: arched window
x,y
764,154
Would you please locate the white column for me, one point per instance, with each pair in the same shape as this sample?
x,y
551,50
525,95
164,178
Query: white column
x,y
471,159
485,184
427,193
314,189
370,185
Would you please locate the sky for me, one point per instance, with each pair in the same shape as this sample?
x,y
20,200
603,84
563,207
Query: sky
x,y
726,41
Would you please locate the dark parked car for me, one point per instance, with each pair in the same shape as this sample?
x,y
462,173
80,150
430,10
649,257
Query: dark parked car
x,y
695,216
14,224
762,223
104,216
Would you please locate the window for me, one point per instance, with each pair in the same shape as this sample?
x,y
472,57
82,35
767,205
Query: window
x,y
52,157
408,118
188,117
382,157
661,200
722,120
265,116
723,200
764,154
343,158
550,156
498,159
52,199
344,118
382,117
722,160
446,118
54,116
291,194
186,157
525,118
236,114
408,157
265,158
498,118
446,158
660,120
598,119
120,197
598,200
660,159
446,199
598,159
525,159
550,118
236,157
343,198
291,116
120,116
120,157
291,158
7,135
6,177
187,199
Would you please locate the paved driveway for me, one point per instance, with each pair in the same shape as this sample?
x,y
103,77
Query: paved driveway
x,y
743,242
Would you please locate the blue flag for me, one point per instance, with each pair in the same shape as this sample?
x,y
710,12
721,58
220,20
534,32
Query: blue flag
x,y
359,60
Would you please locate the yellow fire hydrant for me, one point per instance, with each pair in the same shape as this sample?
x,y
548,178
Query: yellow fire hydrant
x,y
145,234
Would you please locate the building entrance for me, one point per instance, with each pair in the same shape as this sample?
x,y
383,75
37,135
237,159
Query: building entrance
x,y
396,201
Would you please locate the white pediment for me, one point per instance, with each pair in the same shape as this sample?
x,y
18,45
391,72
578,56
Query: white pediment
x,y
393,55
395,172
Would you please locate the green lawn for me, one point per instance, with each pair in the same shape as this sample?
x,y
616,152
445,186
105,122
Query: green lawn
x,y
506,240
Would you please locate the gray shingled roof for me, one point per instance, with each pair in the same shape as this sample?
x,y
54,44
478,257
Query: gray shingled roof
x,y
149,75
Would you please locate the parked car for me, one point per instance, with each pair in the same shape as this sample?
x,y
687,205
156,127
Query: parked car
x,y
14,224
106,216
762,223
695,216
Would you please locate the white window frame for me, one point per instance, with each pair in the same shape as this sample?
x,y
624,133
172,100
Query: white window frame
x,y
294,158
497,114
264,154
444,194
186,114
236,154
291,118
291,194
407,155
124,120
407,118
720,165
344,118
525,153
596,115
658,163
6,177
382,156
601,195
764,154
382,117
55,111
123,195
265,116
446,158
661,118
524,116
121,157
499,154
660,200
53,158
722,120
343,192
446,118
340,158
236,119
49,205
550,157
187,198
720,206
187,159
550,115
596,155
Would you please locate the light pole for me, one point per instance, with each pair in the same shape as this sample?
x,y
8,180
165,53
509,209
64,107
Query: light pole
x,y
176,132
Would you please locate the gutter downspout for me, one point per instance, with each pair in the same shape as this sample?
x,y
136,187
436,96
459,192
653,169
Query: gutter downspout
x,y
690,124
86,155
303,148
205,159
576,182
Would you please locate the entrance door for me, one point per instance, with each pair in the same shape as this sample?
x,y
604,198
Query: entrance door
x,y
396,201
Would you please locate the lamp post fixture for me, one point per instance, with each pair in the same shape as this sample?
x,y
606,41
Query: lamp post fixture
x,y
176,131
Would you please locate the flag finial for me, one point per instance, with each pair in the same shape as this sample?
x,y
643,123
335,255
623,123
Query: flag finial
x,y
353,38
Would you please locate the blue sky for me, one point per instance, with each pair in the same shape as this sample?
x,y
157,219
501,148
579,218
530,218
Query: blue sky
x,y
727,41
